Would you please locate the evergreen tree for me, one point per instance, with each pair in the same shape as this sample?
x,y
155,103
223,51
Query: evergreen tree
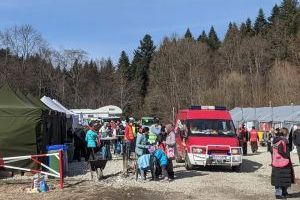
x,y
203,37
273,19
232,31
213,40
109,65
123,66
260,22
289,16
188,34
249,28
141,62
243,29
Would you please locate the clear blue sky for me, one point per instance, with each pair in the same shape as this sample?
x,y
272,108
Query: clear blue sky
x,y
105,28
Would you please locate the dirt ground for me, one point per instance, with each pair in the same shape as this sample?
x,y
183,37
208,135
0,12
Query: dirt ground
x,y
218,183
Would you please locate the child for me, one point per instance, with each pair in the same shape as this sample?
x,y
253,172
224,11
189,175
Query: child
x,y
162,160
282,169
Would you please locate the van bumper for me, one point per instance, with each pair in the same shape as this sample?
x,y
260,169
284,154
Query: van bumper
x,y
223,160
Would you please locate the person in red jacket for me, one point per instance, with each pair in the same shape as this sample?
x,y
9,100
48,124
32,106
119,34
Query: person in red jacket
x,y
128,137
242,136
254,140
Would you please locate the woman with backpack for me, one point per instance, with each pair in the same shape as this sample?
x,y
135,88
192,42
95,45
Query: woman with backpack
x,y
282,169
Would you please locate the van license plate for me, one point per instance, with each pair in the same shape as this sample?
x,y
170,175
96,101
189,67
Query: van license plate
x,y
219,158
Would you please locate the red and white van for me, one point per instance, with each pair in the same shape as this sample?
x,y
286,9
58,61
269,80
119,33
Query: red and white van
x,y
205,135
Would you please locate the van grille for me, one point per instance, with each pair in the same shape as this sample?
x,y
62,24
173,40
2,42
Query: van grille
x,y
218,152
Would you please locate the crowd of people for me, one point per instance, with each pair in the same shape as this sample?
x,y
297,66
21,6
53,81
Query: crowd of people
x,y
280,143
147,143
98,137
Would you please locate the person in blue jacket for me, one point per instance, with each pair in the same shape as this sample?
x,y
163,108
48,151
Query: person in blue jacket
x,y
91,140
162,159
141,141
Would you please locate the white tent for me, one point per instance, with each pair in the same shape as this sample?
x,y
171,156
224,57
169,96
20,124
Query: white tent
x,y
75,117
111,110
106,111
55,105
48,102
285,115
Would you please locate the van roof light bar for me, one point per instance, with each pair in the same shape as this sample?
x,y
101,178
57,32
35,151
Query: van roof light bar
x,y
208,108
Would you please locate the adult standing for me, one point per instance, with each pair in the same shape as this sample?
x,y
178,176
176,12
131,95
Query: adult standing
x,y
282,170
254,139
170,147
296,140
91,140
141,142
128,137
80,144
156,127
104,133
243,138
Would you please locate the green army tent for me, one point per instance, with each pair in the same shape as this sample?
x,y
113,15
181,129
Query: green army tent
x,y
20,124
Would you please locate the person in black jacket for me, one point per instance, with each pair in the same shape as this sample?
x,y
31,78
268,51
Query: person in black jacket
x,y
80,144
282,170
296,140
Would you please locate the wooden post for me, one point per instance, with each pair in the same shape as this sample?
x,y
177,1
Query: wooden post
x,y
125,157
61,169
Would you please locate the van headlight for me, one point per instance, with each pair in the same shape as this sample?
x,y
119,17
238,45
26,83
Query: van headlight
x,y
235,151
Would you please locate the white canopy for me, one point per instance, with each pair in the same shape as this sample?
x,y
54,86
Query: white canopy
x,y
48,102
111,110
75,116
55,105
105,111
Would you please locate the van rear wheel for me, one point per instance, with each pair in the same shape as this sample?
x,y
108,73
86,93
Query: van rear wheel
x,y
188,165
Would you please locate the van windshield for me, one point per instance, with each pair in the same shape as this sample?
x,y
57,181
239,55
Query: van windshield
x,y
211,127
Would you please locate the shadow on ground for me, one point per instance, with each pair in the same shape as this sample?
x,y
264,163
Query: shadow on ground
x,y
248,166
187,174
294,195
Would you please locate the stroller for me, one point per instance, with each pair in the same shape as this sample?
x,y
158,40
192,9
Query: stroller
x,y
151,165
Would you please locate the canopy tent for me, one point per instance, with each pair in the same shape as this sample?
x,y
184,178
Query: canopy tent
x,y
68,124
281,114
48,102
111,110
55,127
106,111
20,125
75,116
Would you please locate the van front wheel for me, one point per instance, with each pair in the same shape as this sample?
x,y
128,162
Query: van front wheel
x,y
236,168
188,165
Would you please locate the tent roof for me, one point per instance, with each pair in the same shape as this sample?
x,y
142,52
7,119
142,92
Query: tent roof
x,y
111,109
37,102
48,102
10,99
267,114
62,107
79,111
12,103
